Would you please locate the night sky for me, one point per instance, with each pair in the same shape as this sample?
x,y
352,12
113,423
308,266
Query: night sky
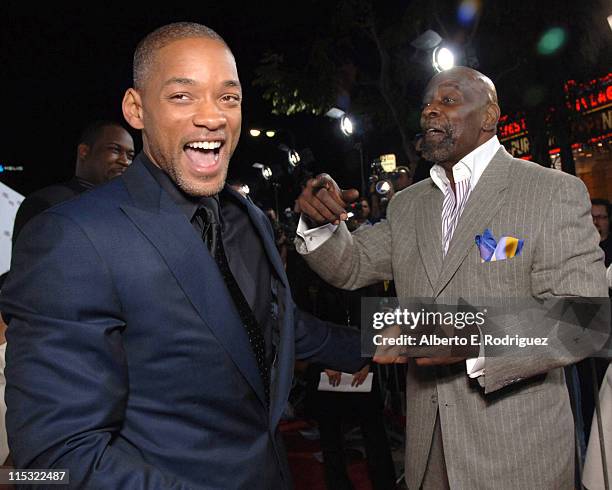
x,y
64,67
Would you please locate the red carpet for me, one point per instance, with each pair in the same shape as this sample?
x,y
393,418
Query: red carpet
x,y
306,470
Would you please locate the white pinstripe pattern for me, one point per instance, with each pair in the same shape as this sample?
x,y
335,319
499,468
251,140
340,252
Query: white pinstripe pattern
x,y
454,203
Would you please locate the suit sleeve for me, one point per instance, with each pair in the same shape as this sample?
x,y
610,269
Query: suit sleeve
x,y
67,378
351,261
335,346
567,271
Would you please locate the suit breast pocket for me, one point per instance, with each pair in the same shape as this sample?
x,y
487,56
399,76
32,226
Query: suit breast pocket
x,y
503,277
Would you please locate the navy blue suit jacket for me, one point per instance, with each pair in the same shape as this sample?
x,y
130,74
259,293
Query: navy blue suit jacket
x,y
127,362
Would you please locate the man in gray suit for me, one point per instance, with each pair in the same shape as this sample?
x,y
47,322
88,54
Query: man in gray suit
x,y
495,422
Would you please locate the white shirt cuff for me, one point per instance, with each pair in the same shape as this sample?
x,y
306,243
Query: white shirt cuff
x,y
314,237
475,366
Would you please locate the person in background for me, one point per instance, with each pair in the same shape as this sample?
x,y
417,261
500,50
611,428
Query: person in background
x,y
600,211
105,150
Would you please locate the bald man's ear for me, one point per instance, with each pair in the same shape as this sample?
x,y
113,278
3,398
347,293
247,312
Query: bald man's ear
x,y
132,108
492,113
82,151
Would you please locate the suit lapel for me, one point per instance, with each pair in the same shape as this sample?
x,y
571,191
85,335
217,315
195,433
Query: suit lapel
x,y
264,231
429,233
263,228
167,228
484,202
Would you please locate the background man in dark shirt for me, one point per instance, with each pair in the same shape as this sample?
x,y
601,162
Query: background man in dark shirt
x,y
104,151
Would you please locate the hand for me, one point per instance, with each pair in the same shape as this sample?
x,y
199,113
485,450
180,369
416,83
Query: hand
x,y
324,202
360,376
333,376
438,361
390,359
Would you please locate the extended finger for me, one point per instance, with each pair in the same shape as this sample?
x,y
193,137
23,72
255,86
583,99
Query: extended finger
x,y
330,215
335,206
310,211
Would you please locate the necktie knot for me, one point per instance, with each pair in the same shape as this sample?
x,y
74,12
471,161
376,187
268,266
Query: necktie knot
x,y
208,216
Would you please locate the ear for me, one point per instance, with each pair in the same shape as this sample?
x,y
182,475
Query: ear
x,y
83,151
132,108
491,116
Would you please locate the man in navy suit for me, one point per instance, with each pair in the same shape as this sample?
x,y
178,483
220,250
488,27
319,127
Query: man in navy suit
x,y
132,359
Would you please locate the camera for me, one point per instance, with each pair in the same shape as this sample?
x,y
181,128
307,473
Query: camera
x,y
383,171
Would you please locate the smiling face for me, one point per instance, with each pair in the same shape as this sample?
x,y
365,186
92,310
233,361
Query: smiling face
x,y
459,114
189,110
109,155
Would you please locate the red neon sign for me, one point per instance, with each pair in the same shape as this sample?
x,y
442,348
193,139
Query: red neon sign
x,y
590,96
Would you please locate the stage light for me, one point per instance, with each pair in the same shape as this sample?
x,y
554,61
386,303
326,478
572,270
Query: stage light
x,y
293,157
443,59
346,125
270,133
266,172
254,132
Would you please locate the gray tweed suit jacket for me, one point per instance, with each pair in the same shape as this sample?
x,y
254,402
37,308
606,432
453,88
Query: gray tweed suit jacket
x,y
514,427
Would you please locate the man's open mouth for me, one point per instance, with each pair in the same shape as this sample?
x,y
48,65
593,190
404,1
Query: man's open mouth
x,y
203,154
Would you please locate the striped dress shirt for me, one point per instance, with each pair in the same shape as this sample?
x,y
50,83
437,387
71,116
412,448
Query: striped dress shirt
x,y
466,174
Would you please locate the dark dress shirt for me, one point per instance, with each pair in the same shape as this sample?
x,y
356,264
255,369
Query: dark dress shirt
x,y
243,245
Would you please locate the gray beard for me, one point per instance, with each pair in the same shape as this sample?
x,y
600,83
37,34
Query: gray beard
x,y
438,152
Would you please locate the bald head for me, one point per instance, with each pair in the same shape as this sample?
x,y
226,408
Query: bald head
x,y
481,84
460,113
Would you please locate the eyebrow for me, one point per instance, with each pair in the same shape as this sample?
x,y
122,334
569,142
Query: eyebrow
x,y
120,146
191,82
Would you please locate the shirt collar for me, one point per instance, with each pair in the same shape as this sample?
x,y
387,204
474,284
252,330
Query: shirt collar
x,y
188,204
471,166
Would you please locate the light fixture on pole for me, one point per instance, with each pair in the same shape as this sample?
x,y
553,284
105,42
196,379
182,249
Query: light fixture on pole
x,y
293,157
348,129
346,123
442,59
439,54
266,172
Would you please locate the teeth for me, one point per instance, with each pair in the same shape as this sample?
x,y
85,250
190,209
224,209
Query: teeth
x,y
205,145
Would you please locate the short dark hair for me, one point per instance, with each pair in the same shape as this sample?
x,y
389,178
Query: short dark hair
x,y
161,37
93,131
601,202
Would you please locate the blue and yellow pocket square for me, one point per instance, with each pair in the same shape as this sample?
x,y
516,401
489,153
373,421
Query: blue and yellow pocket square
x,y
491,250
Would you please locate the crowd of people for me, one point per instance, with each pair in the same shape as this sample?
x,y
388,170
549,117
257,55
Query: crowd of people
x,y
157,317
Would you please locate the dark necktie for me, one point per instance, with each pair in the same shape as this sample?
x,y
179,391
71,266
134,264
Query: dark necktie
x,y
207,217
